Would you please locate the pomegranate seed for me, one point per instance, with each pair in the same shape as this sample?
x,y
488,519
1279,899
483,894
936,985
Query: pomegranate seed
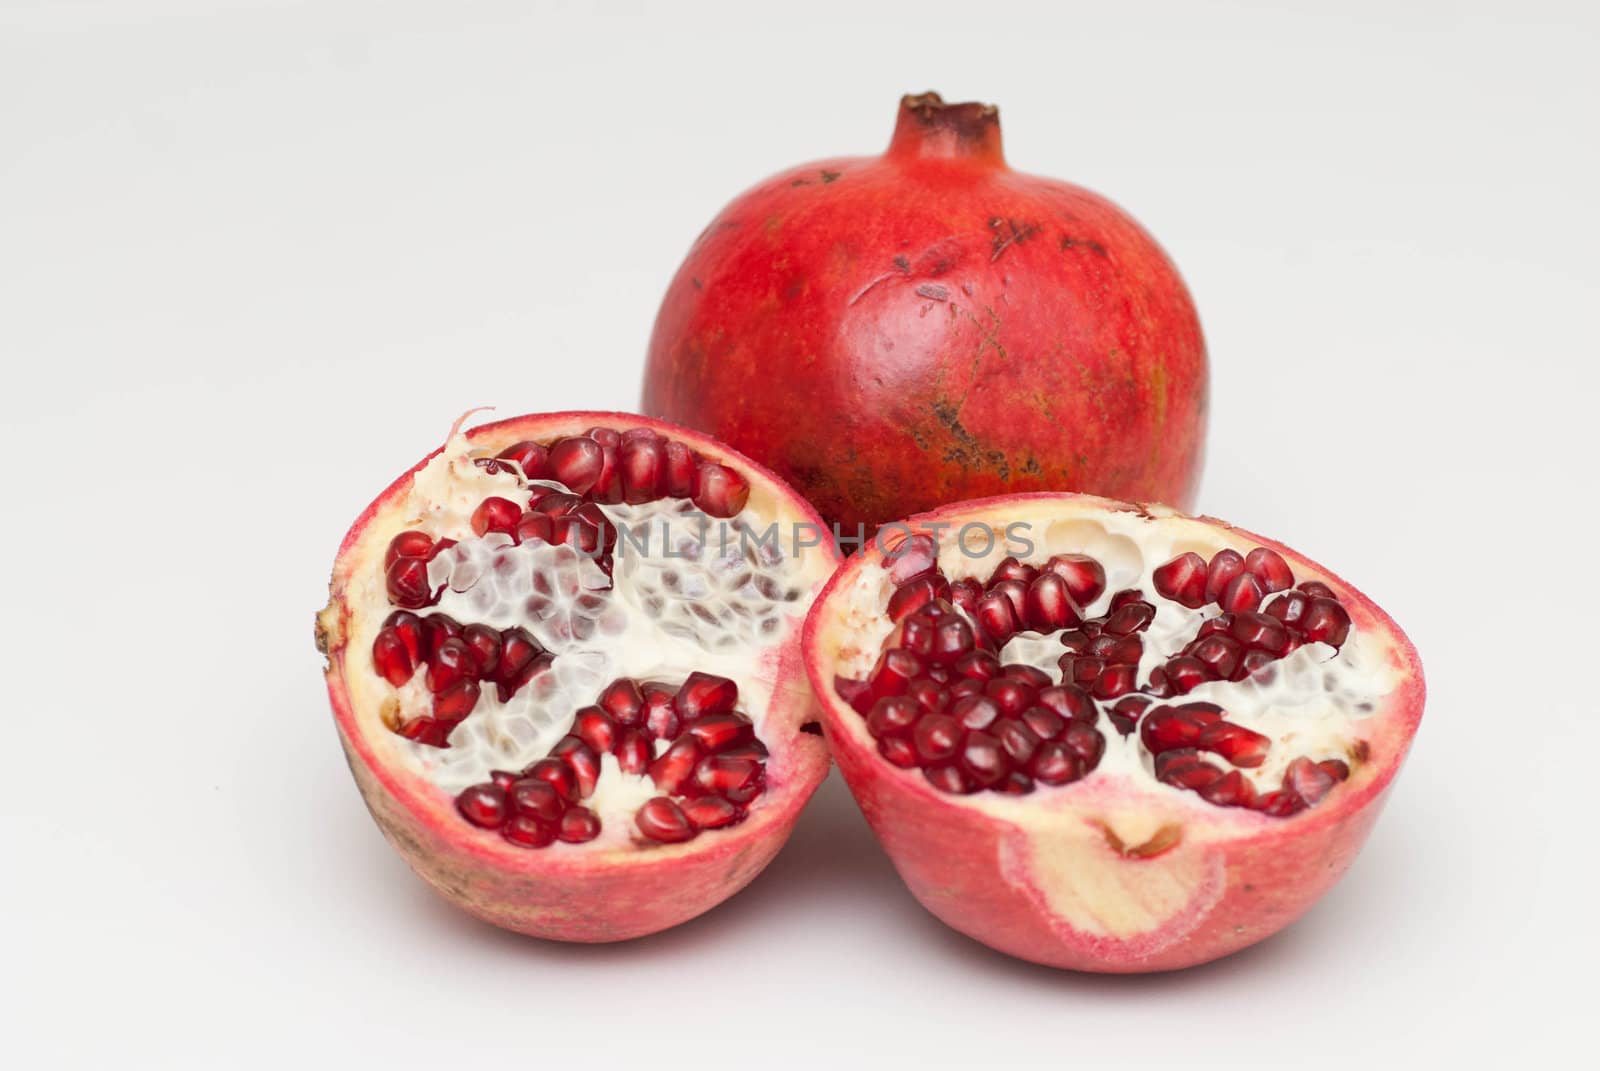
x,y
1225,565
1243,594
1015,783
1270,568
966,594
1253,662
409,630
892,716
1132,616
1184,768
678,469
1082,670
408,545
456,702
719,491
484,643
390,657
558,775
595,728
1307,780
1183,580
914,557
1018,741
1335,768
608,485
576,462
715,732
1165,729
1259,632
1043,722
899,751
1032,676
1315,588
1117,650
537,799
642,464
1290,608
605,436
672,770
436,628
633,751
1219,654
521,659
739,780
1011,695
1011,569
1069,701
1158,684
997,618
1084,741
951,779
528,832
705,693
937,737
975,711
965,688
916,594
1077,640
1186,673
556,504
663,820
1230,790
623,700
531,458
483,805
1114,681
1280,804
929,695
504,778
1055,764
582,760
534,528
495,514
894,671
1240,746
982,757
858,694
712,812
578,826
1048,607
430,731
1085,577
660,719
952,638
452,661
407,583
1326,622
1221,624
978,666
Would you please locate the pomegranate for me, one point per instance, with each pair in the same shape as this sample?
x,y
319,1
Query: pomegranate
x,y
1109,737
563,659
893,333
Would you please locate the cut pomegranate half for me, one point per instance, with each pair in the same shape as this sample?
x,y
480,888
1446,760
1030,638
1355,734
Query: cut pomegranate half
x,y
1129,739
564,664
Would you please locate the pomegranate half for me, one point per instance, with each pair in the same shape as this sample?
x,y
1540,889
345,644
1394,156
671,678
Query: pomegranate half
x,y
892,333
1109,737
563,659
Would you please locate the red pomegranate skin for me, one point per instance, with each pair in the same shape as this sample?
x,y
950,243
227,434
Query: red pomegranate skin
x,y
893,333
1208,895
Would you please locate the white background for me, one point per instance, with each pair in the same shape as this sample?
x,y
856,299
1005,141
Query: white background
x,y
255,257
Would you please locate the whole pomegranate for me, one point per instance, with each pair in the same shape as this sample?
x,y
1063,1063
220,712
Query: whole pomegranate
x,y
563,659
1109,737
893,333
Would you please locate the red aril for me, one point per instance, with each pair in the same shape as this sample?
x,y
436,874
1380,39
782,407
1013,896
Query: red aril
x,y
570,706
891,333
1186,779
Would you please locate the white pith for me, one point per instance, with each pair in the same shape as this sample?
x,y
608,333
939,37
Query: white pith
x,y
721,606
1313,703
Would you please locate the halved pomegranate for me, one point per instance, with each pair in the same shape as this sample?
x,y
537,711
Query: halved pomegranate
x,y
563,661
1109,737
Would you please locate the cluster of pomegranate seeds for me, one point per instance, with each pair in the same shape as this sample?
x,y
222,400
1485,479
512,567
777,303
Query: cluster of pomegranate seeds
x,y
939,699
711,768
459,660
600,467
1253,631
